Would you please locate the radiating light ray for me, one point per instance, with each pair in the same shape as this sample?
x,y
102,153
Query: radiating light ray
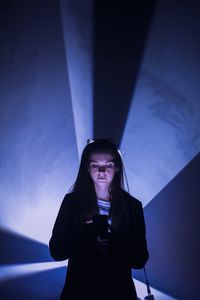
x,y
162,133
77,32
35,221
38,149
158,139
8,272
142,292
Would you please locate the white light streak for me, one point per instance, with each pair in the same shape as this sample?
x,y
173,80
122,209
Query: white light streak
x,y
8,272
78,48
142,292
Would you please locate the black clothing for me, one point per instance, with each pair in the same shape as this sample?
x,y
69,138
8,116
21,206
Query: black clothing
x,y
90,273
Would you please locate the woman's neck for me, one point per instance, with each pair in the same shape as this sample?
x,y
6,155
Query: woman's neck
x,y
102,192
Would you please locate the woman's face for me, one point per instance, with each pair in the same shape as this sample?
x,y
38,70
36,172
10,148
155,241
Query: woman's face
x,y
102,168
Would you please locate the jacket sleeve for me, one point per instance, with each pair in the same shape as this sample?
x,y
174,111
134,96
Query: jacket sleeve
x,y
138,244
61,239
71,237
129,246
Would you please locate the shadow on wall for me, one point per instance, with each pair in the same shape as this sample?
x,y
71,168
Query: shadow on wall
x,y
45,285
17,250
173,232
120,33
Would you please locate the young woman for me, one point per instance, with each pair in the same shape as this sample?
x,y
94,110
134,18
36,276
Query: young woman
x,y
100,228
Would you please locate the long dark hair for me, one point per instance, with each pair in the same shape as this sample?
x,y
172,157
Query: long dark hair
x,y
84,184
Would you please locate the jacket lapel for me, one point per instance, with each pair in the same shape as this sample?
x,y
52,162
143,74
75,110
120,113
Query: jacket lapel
x,y
117,218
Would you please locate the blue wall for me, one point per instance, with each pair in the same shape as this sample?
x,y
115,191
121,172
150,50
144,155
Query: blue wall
x,y
69,72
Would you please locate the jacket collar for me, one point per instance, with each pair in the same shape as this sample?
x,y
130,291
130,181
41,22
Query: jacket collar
x,y
117,217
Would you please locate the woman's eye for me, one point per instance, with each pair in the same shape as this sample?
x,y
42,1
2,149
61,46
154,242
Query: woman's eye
x,y
109,166
93,166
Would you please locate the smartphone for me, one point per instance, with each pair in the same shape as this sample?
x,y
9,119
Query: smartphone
x,y
100,223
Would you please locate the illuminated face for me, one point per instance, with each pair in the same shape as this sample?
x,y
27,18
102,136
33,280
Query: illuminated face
x,y
102,168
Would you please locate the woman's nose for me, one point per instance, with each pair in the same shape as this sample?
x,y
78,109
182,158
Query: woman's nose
x,y
101,169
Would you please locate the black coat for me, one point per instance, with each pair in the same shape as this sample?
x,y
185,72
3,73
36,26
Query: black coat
x,y
91,274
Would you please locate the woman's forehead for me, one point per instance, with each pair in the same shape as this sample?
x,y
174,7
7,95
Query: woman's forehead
x,y
101,156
